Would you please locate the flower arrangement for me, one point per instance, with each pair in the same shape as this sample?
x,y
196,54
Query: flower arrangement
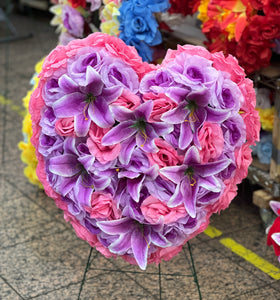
x,y
135,23
74,18
184,7
273,237
139,160
28,151
246,29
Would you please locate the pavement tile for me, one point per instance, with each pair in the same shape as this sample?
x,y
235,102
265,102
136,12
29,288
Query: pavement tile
x,y
43,265
7,293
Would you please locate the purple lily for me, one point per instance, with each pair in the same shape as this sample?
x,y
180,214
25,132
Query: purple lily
x,y
191,114
135,130
128,237
192,176
76,172
87,100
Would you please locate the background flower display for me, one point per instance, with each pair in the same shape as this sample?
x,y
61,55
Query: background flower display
x,y
28,151
74,18
247,29
140,159
273,237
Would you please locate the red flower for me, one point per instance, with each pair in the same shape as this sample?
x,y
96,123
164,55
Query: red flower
x,y
264,28
77,3
273,229
184,7
253,54
272,8
257,4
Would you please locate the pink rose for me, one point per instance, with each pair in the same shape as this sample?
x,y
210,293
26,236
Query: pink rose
x,y
102,153
153,210
65,127
243,159
103,207
128,100
166,155
162,104
211,140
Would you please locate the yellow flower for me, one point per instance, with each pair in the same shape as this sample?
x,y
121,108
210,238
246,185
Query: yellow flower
x,y
28,151
109,19
203,8
267,118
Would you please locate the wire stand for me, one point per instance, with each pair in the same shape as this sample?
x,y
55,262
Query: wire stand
x,y
188,255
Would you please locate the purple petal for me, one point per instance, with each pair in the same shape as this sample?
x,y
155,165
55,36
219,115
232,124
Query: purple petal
x,y
109,94
121,245
177,197
192,156
145,140
100,114
83,191
119,133
211,168
67,84
69,105
81,125
160,128
215,115
186,136
189,194
144,110
65,165
92,83
200,97
134,187
100,183
121,113
115,227
211,183
175,173
127,149
140,245
67,184
176,115
159,240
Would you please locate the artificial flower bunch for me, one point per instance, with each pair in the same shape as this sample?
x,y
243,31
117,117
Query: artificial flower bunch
x,y
273,237
134,22
28,151
74,18
184,7
246,29
139,156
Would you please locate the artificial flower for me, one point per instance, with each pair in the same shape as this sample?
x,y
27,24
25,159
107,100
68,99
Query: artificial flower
x,y
131,176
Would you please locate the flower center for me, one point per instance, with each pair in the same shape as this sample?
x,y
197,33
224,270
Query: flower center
x,y
141,126
191,106
89,99
190,172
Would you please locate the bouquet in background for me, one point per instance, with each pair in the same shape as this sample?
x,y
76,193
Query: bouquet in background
x,y
247,29
273,237
28,155
74,18
139,156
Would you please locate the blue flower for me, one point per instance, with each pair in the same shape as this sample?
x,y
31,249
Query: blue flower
x,y
139,28
154,5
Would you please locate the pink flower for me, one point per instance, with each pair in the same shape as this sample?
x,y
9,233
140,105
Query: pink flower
x,y
103,207
128,100
243,159
162,104
102,153
211,139
65,126
153,210
166,155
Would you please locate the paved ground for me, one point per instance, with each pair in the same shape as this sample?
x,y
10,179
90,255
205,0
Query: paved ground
x,y
40,255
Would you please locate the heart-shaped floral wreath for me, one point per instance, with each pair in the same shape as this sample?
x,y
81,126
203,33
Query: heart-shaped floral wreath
x,y
139,156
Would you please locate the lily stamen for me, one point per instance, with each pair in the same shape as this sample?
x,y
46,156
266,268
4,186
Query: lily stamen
x,y
144,135
84,111
191,118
